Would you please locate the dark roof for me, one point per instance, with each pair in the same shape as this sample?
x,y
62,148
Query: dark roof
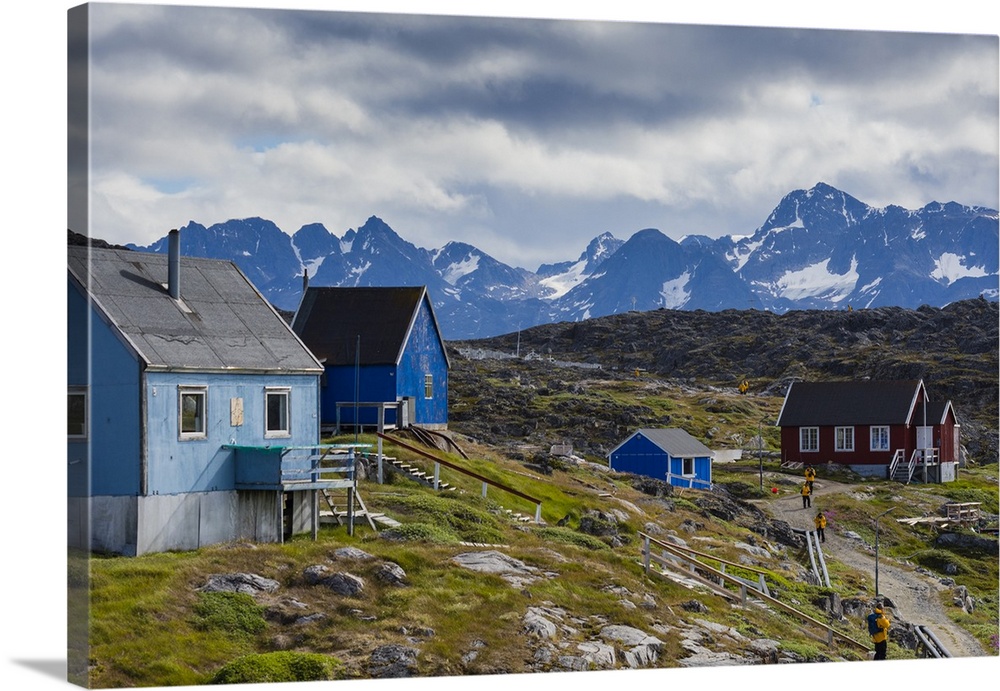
x,y
936,412
221,321
849,403
331,320
676,442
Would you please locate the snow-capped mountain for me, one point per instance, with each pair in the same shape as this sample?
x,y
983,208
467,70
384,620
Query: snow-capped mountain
x,y
819,249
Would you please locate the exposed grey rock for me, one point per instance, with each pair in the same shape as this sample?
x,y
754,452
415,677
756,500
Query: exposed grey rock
x,y
639,649
351,553
514,571
391,573
308,619
599,655
345,584
574,663
752,549
249,583
766,649
315,574
393,662
536,624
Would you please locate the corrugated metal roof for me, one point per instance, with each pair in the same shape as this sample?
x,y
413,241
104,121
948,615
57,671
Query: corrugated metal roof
x,y
331,320
676,442
849,403
220,323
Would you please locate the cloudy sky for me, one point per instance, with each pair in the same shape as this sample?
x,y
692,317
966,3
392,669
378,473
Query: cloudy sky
x,y
525,137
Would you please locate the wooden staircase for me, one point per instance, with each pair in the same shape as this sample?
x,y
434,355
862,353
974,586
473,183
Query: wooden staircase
x,y
417,474
339,510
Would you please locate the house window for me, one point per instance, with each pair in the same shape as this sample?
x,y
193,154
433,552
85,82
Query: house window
x,y
879,439
687,467
193,406
428,386
276,423
844,439
809,439
76,409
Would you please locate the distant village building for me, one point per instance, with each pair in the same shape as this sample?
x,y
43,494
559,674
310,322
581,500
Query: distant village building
x,y
383,356
187,395
887,429
669,454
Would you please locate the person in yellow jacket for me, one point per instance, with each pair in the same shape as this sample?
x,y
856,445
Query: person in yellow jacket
x,y
806,491
820,522
810,475
878,629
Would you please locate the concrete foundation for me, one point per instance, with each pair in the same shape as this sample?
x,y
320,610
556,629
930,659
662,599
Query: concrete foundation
x,y
138,525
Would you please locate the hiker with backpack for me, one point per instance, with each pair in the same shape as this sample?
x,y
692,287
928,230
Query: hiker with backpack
x,y
806,491
878,629
810,476
820,522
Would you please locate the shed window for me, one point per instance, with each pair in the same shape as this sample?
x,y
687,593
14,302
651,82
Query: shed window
x,y
76,409
428,386
687,467
276,404
193,408
809,439
844,439
879,438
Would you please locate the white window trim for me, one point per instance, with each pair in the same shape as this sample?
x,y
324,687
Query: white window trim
x,y
871,438
837,437
202,391
80,391
287,393
684,462
802,446
428,386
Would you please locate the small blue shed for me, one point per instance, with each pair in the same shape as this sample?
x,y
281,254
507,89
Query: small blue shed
x,y
188,402
669,454
382,353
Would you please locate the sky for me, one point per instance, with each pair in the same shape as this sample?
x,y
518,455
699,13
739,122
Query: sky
x,y
33,49
526,137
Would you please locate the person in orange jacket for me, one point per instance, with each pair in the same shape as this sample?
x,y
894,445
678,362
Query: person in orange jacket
x,y
878,629
820,522
806,491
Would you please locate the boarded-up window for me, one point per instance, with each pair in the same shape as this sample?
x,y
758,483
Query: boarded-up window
x,y
236,412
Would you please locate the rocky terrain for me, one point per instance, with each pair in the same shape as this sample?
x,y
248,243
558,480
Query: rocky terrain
x,y
953,349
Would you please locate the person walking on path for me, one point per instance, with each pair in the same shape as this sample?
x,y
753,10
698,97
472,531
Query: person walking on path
x,y
820,522
878,629
810,476
806,500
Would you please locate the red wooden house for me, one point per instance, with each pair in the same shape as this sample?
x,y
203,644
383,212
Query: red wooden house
x,y
878,428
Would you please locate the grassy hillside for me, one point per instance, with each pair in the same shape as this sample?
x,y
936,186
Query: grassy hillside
x,y
582,573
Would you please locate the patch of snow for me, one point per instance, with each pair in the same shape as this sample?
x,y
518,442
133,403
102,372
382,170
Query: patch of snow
x,y
564,282
458,269
816,280
951,267
674,293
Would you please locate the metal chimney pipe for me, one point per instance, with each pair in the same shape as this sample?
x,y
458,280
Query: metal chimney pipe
x,y
174,264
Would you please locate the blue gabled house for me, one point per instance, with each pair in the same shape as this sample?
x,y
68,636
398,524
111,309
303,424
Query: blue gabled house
x,y
669,454
190,404
382,353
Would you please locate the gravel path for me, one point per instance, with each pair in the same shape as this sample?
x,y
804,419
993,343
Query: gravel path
x,y
914,595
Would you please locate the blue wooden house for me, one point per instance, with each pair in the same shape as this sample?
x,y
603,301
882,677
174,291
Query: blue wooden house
x,y
669,454
384,359
193,408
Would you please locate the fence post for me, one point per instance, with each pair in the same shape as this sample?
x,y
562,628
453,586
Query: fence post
x,y
437,474
538,513
645,553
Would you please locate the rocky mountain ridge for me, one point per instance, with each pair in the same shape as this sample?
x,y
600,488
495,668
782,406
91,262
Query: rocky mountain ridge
x,y
818,249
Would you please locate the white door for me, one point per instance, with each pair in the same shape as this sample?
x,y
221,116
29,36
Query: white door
x,y
925,438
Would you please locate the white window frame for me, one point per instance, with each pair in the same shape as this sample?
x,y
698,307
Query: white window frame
x,y
843,439
809,439
687,467
286,393
879,438
428,386
85,432
202,393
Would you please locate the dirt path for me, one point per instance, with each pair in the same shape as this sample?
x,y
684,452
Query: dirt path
x,y
914,595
